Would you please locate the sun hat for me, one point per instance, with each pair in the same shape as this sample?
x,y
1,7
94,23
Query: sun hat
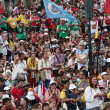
x,y
103,73
8,72
51,82
30,95
45,34
67,49
5,96
72,86
25,83
6,88
106,104
46,29
54,40
21,40
4,76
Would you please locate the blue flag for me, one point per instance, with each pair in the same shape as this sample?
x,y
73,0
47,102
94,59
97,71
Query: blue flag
x,y
54,11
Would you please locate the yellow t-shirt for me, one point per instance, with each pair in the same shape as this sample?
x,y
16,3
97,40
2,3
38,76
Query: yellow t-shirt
x,y
21,18
29,59
12,45
63,94
12,23
99,76
108,95
28,21
32,65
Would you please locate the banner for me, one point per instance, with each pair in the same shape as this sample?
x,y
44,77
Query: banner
x,y
107,7
54,11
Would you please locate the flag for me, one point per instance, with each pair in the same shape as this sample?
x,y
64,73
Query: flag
x,y
54,11
1,9
15,10
83,1
55,1
40,94
96,31
107,7
43,89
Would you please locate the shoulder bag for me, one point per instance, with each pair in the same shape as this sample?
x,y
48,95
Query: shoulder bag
x,y
57,59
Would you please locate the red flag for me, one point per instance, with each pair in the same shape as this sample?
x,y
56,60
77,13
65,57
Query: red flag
x,y
107,7
1,9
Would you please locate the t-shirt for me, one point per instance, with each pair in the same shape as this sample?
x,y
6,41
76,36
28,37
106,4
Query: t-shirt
x,y
4,25
101,83
21,18
63,34
63,94
15,92
21,92
11,45
75,28
11,21
23,35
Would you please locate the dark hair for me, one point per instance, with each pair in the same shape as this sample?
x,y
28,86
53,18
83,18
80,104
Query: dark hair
x,y
82,67
55,49
44,104
85,73
20,54
92,72
97,40
36,105
25,98
101,88
77,71
5,100
73,53
90,81
65,81
43,53
18,105
19,81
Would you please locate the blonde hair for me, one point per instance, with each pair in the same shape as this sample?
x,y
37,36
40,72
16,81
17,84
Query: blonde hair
x,y
52,100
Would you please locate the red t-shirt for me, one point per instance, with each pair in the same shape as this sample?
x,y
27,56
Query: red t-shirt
x,y
15,92
21,92
74,9
51,25
35,24
11,108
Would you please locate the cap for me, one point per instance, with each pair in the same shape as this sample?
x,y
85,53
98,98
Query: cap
x,y
21,40
6,88
4,76
25,83
103,73
52,81
105,30
46,29
67,49
106,104
45,34
8,72
72,86
54,40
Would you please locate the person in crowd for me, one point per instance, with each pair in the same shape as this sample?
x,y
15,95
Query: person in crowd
x,y
52,104
45,106
93,95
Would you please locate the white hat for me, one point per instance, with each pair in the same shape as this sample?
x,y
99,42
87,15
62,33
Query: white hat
x,y
21,40
5,96
67,49
103,73
30,95
72,86
53,46
74,49
67,37
45,33
52,81
8,72
54,40
105,30
92,42
108,59
6,88
46,29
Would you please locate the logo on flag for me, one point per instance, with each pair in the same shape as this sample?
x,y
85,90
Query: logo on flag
x,y
54,11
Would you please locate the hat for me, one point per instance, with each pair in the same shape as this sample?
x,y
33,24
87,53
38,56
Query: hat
x,y
74,49
103,73
62,108
106,104
105,30
67,37
4,76
6,88
8,72
30,95
25,83
34,11
5,96
21,40
92,42
40,13
72,86
52,81
54,40
46,29
45,34
21,22
67,49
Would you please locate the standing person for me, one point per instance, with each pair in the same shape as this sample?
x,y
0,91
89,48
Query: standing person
x,y
98,52
45,65
57,61
1,43
32,66
74,27
93,95
63,29
82,55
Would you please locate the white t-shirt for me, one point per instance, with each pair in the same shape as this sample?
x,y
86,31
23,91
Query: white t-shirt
x,y
4,49
101,83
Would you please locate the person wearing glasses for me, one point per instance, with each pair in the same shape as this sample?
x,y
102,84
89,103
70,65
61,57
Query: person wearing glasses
x,y
82,55
52,92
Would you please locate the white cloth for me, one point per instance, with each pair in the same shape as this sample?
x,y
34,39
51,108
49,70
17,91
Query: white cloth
x,y
93,23
101,83
4,49
92,102
7,83
1,41
45,64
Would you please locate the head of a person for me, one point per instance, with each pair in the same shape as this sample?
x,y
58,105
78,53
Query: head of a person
x,y
85,74
45,55
45,106
93,81
94,71
63,68
57,50
21,56
19,106
63,22
20,83
108,69
33,56
24,101
58,79
73,79
77,73
73,55
2,61
71,71
1,93
36,107
52,103
7,90
107,106
4,57
104,75
97,42
66,84
1,81
53,85
26,85
1,14
8,67
81,45
7,102
21,24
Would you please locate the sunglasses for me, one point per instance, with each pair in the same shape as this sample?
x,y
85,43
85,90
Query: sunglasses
x,y
53,84
62,68
71,71
81,45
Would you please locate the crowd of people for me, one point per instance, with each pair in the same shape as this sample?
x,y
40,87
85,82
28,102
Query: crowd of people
x,y
44,62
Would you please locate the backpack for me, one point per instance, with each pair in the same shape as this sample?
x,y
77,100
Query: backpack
x,y
70,104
